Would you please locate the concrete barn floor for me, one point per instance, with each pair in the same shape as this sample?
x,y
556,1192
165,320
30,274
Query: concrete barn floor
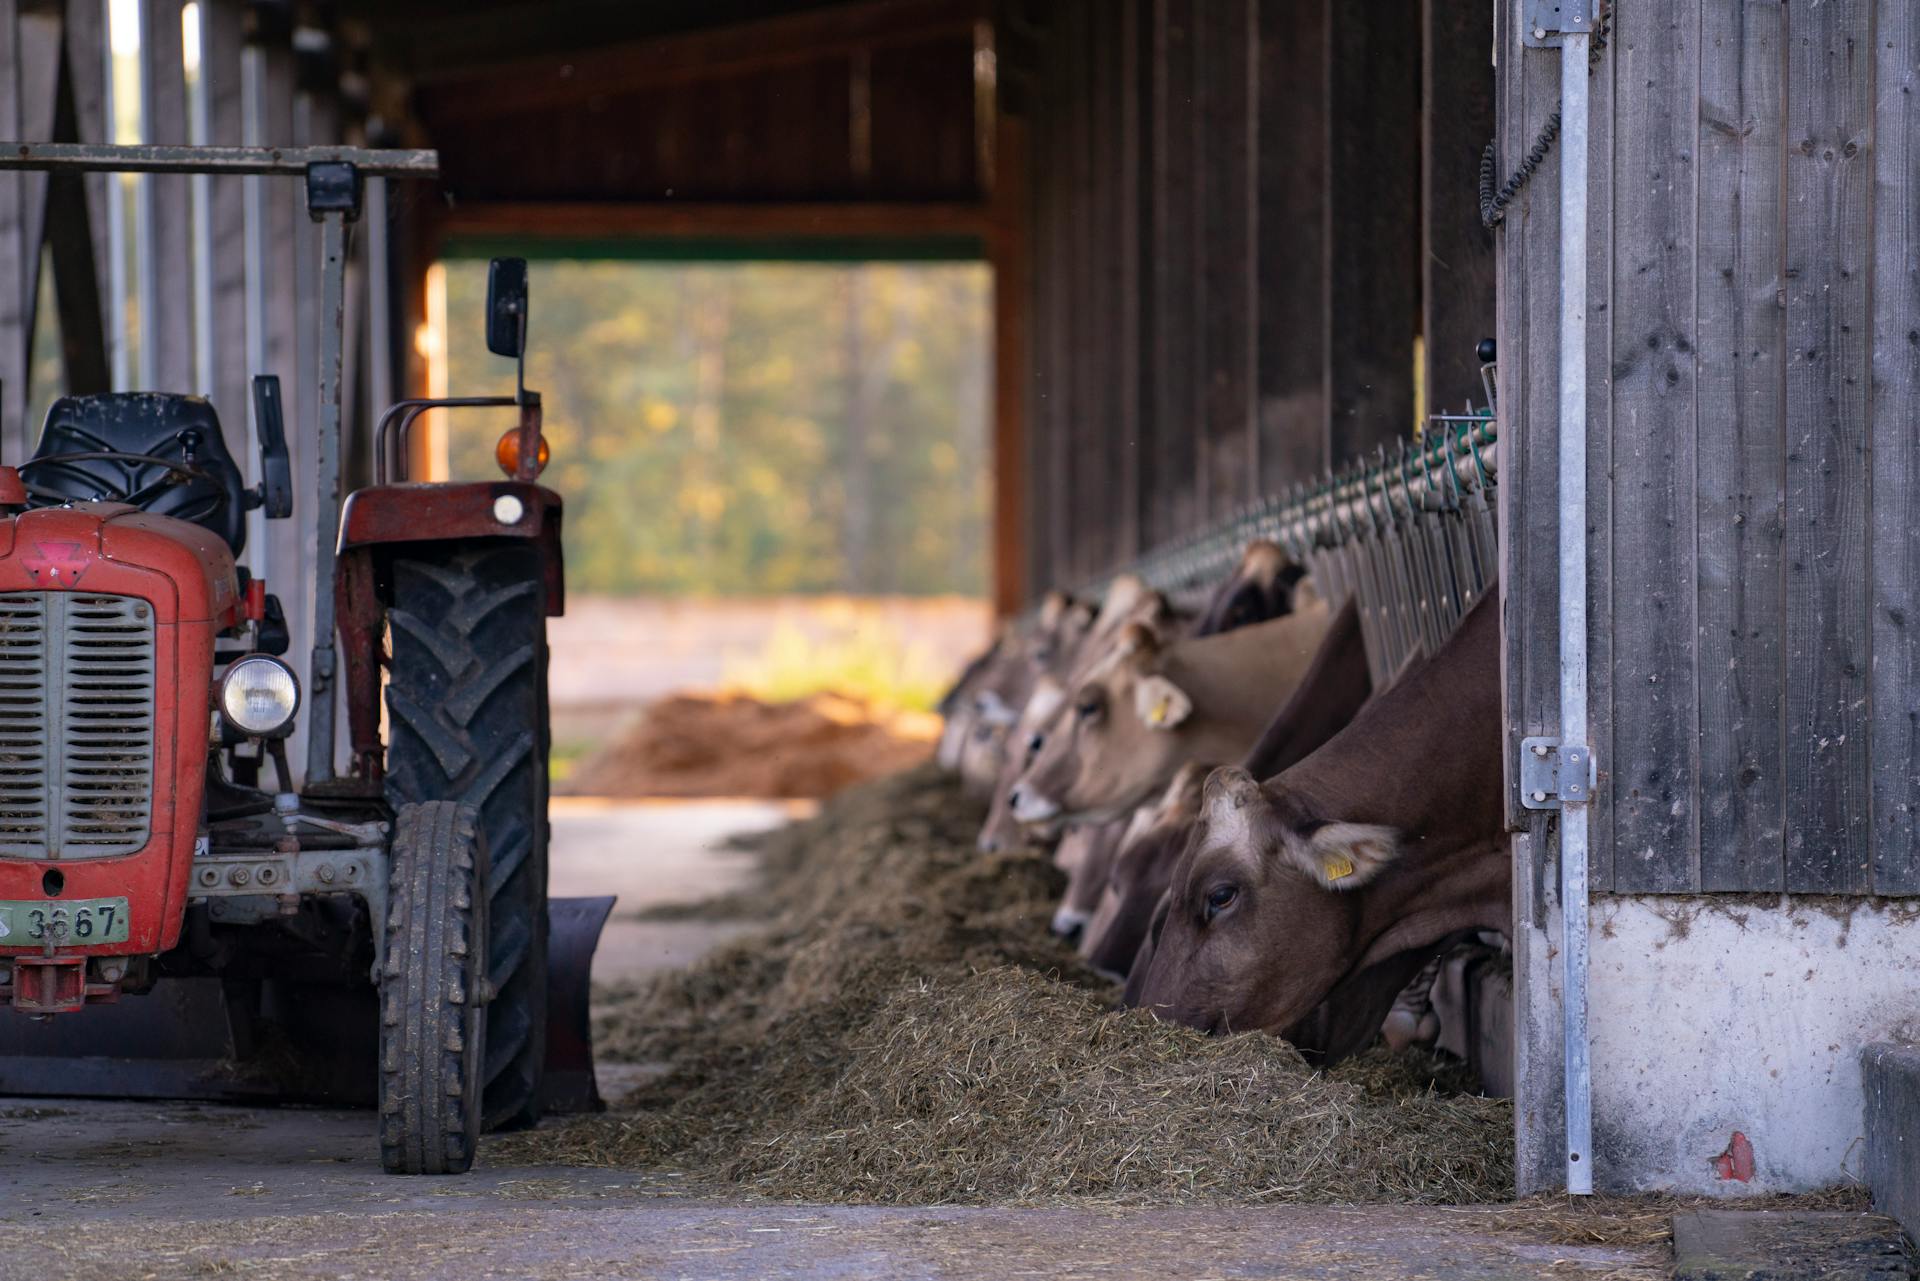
x,y
114,1191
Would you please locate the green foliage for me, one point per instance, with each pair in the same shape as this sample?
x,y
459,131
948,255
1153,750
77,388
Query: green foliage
x,y
858,654
750,428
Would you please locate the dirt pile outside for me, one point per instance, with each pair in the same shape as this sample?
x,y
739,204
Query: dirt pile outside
x,y
735,745
906,1031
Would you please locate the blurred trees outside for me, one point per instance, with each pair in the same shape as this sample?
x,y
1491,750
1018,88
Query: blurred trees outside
x,y
749,428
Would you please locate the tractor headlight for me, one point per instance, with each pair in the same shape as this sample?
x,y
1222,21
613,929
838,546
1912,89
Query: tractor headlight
x,y
259,696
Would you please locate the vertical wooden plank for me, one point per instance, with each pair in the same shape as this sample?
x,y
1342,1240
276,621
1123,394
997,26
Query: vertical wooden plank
x,y
16,322
39,38
1144,81
1073,480
1012,298
1741,350
1894,551
1653,337
221,23
166,274
1229,328
1829,176
86,69
70,247
1604,233
1527,306
1050,443
1176,182
1456,260
1097,527
1372,219
1290,242
1128,373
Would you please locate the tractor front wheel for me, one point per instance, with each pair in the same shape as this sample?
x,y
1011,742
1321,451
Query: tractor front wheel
x,y
433,991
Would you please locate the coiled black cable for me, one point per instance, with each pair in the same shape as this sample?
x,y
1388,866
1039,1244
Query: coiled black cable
x,y
1494,204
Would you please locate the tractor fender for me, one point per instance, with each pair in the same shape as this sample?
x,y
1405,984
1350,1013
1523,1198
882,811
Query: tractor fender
x,y
384,515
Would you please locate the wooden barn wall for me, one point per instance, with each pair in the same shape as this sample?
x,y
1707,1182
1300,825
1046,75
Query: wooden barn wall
x,y
1242,215
1754,474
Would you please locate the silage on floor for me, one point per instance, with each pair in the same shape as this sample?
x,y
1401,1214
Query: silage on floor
x,y
906,1031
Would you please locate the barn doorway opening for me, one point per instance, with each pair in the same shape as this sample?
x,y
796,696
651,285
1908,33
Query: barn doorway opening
x,y
777,480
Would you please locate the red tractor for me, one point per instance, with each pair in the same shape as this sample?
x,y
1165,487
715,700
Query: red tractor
x,y
170,925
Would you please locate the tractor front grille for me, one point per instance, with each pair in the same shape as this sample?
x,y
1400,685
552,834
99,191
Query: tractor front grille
x,y
76,724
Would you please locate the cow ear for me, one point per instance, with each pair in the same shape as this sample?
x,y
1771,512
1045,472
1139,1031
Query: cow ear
x,y
1345,856
1160,703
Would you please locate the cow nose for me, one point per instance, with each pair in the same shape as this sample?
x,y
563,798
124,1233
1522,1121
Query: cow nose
x,y
989,844
1069,923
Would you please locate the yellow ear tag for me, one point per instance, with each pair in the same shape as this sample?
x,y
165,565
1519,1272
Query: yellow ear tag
x,y
1159,713
1339,867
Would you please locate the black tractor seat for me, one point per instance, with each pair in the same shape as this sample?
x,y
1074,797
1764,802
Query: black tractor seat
x,y
152,430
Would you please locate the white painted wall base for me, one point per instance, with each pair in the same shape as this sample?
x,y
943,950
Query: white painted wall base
x,y
1716,1014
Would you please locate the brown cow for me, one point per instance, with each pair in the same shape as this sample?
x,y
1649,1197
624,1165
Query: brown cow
x,y
1334,689
1337,881
1086,853
1142,867
1130,724
995,699
1129,605
1262,586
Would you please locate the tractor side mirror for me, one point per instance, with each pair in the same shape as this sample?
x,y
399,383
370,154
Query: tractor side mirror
x,y
276,472
507,307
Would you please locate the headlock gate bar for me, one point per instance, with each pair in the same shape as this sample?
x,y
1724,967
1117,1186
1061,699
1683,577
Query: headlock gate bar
x,y
1411,535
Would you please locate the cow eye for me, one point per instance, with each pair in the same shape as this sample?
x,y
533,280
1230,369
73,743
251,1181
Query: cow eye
x,y
1088,707
1220,899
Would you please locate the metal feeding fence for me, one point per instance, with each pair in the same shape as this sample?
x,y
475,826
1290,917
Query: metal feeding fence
x,y
1410,534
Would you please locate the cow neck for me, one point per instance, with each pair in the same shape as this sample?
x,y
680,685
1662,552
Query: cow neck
x,y
1237,679
1424,759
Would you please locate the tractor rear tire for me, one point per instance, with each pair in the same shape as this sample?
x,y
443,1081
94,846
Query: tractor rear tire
x,y
433,1023
467,718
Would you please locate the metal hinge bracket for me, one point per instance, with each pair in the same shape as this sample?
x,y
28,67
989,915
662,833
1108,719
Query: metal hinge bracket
x,y
1543,22
1553,773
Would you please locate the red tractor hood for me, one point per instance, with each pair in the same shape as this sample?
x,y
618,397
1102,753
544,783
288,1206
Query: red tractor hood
x,y
58,548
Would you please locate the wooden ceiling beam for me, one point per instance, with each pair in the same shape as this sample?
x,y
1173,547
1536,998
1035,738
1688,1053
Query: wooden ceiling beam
x,y
670,220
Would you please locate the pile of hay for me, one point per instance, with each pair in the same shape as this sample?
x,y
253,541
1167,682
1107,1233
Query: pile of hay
x,y
906,1031
735,745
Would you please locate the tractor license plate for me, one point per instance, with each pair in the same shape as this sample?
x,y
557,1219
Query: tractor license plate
x,y
76,922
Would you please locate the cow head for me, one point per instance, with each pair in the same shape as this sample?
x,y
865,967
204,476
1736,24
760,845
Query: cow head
x,y
1114,740
1086,855
1142,868
1263,910
1262,586
1002,829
